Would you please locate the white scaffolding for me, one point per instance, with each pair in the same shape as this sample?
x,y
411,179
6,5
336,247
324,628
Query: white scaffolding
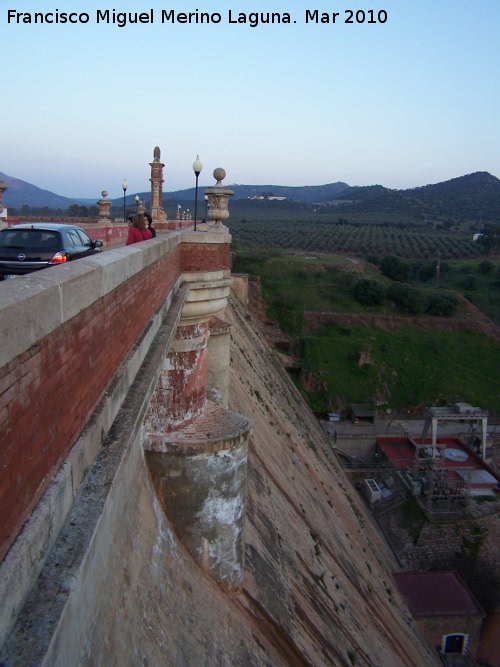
x,y
459,412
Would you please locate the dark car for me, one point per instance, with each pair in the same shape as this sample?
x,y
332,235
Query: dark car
x,y
33,246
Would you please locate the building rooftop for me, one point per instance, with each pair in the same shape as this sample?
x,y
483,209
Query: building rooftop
x,y
457,459
437,594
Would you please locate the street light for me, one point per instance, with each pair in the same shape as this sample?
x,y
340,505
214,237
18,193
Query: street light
x,y
124,186
137,200
197,167
206,208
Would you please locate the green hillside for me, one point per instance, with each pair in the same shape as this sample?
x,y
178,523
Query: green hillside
x,y
342,359
474,197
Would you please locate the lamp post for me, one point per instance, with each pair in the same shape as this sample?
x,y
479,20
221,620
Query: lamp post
x,y
124,186
206,208
197,167
137,200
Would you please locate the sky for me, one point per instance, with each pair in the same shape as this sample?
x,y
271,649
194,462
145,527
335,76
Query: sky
x,y
409,99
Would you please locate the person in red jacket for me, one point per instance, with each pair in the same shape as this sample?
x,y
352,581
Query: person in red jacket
x,y
138,230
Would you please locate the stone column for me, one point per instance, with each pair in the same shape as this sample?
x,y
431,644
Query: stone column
x,y
200,477
157,212
181,392
219,360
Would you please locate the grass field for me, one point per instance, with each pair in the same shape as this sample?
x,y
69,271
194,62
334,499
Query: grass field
x,y
407,368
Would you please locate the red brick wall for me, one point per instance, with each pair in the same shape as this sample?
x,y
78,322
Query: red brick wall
x,y
204,257
48,393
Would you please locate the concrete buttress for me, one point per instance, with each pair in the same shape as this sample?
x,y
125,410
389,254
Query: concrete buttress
x,y
196,449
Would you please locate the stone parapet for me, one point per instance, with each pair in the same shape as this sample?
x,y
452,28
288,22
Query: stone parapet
x,y
61,357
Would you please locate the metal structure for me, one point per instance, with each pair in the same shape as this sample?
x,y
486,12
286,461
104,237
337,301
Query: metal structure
x,y
459,412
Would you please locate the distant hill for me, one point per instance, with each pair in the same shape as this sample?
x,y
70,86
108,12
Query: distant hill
x,y
20,193
474,196
471,197
306,194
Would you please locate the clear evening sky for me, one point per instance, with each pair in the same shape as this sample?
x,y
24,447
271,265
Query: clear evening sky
x,y
411,101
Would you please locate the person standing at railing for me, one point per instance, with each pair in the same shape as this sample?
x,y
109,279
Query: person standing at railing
x,y
138,230
149,222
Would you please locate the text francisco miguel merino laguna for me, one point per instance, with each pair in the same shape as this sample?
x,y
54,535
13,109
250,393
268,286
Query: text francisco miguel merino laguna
x,y
252,19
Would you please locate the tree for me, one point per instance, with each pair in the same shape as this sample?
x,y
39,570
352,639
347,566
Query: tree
x,y
442,305
470,283
490,239
76,211
407,298
394,268
368,292
485,267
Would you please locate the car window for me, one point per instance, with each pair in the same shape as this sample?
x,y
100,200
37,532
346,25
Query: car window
x,y
49,240
7,239
27,238
73,238
86,240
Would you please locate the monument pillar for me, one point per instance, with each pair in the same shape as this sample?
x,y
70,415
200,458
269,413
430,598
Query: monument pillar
x,y
157,212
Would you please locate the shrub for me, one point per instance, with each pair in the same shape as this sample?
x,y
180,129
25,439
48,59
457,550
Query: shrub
x,y
426,272
394,268
407,298
485,267
442,305
368,292
470,283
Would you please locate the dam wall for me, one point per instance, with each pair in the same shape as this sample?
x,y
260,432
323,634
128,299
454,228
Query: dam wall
x,y
74,339
119,587
190,511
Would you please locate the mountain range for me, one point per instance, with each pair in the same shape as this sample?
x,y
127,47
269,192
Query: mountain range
x,y
308,194
473,196
20,193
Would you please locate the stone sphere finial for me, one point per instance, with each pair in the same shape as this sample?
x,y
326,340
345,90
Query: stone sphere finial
x,y
219,175
104,194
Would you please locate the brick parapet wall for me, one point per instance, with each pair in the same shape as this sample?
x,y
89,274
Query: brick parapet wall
x,y
66,331
205,252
